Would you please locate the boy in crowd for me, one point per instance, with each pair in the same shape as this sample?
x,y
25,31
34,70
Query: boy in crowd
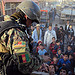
x,y
61,45
47,54
59,54
52,44
51,48
52,69
56,47
38,47
64,62
45,66
63,71
69,50
55,60
42,50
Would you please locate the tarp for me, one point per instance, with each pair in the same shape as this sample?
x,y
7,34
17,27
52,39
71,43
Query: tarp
x,y
44,10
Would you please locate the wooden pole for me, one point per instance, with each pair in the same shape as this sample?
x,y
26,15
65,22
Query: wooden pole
x,y
3,8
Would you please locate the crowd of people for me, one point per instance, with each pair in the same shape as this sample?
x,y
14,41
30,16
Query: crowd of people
x,y
50,42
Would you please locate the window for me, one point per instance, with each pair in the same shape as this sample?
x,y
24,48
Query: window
x,y
12,5
7,5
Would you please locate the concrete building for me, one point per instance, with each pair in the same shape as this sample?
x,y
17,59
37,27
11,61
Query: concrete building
x,y
10,5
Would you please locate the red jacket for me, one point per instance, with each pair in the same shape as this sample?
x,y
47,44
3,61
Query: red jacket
x,y
52,46
37,49
56,47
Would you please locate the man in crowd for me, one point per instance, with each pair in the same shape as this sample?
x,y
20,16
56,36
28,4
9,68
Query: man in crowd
x,y
70,31
49,34
67,25
60,33
37,34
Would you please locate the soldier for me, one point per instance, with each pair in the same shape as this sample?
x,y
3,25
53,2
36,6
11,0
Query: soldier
x,y
14,41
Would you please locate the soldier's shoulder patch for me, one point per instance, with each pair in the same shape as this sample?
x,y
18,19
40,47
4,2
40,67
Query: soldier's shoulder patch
x,y
24,58
19,46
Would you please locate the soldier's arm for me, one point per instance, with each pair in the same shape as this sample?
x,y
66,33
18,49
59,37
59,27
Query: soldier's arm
x,y
16,35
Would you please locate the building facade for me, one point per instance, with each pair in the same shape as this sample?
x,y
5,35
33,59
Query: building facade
x,y
10,5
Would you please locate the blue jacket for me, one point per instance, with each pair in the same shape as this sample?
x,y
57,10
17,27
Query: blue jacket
x,y
69,52
56,47
35,36
61,62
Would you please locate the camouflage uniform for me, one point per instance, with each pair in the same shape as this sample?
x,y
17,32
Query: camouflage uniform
x,y
15,39
15,34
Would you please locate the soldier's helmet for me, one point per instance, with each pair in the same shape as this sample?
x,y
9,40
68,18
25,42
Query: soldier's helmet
x,y
31,9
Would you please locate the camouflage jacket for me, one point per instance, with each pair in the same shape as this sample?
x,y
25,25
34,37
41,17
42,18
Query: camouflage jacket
x,y
13,35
